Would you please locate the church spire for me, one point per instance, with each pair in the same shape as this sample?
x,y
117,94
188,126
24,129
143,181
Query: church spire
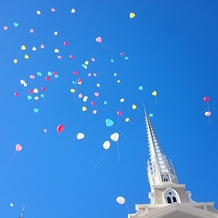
x,y
160,170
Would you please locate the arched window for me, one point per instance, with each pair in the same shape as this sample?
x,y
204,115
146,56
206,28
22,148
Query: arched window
x,y
171,196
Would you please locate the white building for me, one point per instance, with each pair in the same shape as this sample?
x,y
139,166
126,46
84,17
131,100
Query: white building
x,y
168,198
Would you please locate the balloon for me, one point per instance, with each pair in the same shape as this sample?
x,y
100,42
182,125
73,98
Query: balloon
x,y
96,94
47,78
94,74
207,113
71,56
36,98
134,106
56,50
121,53
154,93
43,88
45,130
119,113
23,47
35,90
73,11
120,200
52,9
31,30
38,12
86,62
80,95
80,136
106,145
16,24
72,90
55,33
65,43
42,95
39,74
26,56
16,94
127,119
85,98
84,108
126,58
75,72
11,204
109,122
151,115
92,103
105,102
29,97
18,147
32,77
5,28
59,56
42,46
60,128
25,85
140,88
15,61
112,60
115,74
115,137
132,15
36,110
98,39
118,81
93,59
206,99
122,100
95,112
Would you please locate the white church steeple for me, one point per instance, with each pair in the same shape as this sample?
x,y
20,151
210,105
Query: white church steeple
x,y
168,198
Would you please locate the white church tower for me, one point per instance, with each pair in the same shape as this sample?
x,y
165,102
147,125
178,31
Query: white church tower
x,y
168,198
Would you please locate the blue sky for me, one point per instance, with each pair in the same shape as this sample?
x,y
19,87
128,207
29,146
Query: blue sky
x,y
169,47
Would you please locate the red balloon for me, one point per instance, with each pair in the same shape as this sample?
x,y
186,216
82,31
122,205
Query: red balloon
x,y
206,99
71,56
92,103
119,113
79,80
47,78
60,128
54,73
43,88
65,43
75,72
16,94
31,91
122,53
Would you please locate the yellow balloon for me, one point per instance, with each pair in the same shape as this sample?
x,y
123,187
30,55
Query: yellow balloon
x,y
23,47
79,83
84,108
55,33
26,56
154,93
72,90
134,106
15,61
36,98
127,119
86,62
132,15
118,81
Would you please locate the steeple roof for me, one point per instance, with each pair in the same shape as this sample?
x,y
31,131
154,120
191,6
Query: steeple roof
x,y
160,170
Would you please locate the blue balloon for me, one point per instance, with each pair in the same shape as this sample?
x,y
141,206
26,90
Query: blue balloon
x,y
49,73
16,24
151,115
112,60
29,97
39,73
42,95
36,110
126,58
74,82
140,88
105,102
109,122
56,76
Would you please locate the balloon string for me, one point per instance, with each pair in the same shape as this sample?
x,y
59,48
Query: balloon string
x,y
156,100
104,47
208,106
209,119
11,159
118,152
127,208
99,160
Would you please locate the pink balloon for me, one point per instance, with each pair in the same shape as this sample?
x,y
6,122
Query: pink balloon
x,y
5,27
18,147
96,94
42,46
93,59
98,39
32,77
95,112
53,9
208,113
94,74
31,30
59,56
80,95
45,130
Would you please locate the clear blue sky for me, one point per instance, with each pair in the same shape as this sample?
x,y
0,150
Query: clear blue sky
x,y
171,47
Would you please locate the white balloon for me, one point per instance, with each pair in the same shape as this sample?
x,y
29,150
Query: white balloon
x,y
73,10
34,48
121,200
22,81
11,204
106,145
98,85
38,12
115,137
80,136
122,100
35,90
25,84
56,50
